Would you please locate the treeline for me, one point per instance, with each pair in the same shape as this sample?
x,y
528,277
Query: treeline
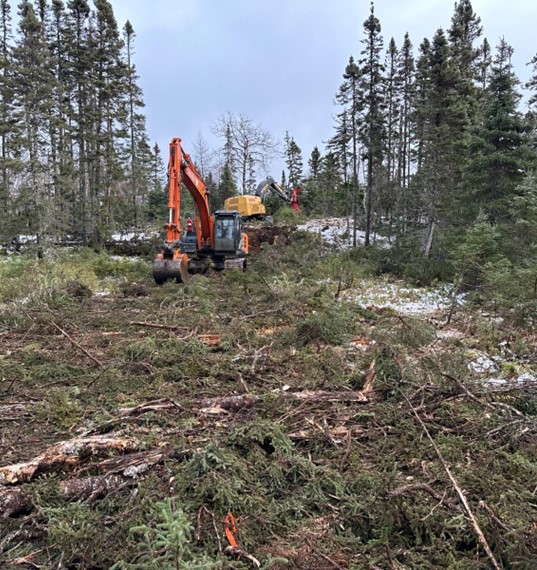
x,y
434,149
75,159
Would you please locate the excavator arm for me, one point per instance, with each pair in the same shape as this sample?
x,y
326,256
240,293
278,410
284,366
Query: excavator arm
x,y
181,170
270,185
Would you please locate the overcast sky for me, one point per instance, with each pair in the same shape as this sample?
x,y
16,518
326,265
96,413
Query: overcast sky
x,y
280,62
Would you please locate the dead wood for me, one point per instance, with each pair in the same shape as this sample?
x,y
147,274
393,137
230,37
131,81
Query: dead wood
x,y
152,406
493,517
259,314
159,326
133,464
64,455
14,411
369,379
13,501
89,488
76,345
228,404
242,554
325,396
245,401
414,487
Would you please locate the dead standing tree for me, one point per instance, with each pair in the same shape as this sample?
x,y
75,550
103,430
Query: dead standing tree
x,y
247,147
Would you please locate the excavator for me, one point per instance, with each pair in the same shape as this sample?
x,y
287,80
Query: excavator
x,y
214,241
251,205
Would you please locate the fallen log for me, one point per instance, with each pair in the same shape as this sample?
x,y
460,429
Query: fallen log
x,y
13,501
119,472
228,404
235,403
64,455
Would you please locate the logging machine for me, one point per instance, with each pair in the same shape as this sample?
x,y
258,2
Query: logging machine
x,y
215,241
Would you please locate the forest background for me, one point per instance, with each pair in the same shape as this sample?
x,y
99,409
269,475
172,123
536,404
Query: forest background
x,y
432,146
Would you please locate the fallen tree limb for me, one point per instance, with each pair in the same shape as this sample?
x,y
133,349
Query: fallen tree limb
x,y
414,487
64,455
76,345
460,493
245,401
159,326
325,396
151,406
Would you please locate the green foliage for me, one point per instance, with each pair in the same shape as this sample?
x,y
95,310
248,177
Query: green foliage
x,y
512,288
480,246
332,325
166,543
72,275
264,435
61,409
286,215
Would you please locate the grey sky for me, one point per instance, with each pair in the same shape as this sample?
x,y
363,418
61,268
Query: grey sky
x,y
279,62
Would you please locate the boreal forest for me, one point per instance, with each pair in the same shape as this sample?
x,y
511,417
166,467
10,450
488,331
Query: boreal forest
x,y
203,366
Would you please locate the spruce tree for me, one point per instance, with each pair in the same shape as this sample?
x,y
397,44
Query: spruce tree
x,y
406,82
498,145
227,187
293,160
157,200
6,114
135,125
108,81
32,95
443,114
393,104
373,94
344,145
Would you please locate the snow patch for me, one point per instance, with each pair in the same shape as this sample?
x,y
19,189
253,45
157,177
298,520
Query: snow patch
x,y
130,236
404,299
483,364
521,381
338,231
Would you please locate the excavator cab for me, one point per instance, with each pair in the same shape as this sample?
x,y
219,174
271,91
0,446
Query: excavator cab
x,y
227,232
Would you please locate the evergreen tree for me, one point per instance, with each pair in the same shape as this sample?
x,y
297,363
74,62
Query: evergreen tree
x,y
78,71
157,200
32,95
388,193
108,89
498,149
484,62
344,145
135,125
62,167
293,160
444,116
406,81
314,163
227,187
6,113
373,127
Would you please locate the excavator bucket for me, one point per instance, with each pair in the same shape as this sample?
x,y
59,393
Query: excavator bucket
x,y
165,269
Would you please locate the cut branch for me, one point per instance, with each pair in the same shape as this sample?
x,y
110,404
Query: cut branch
x,y
414,487
457,487
76,345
